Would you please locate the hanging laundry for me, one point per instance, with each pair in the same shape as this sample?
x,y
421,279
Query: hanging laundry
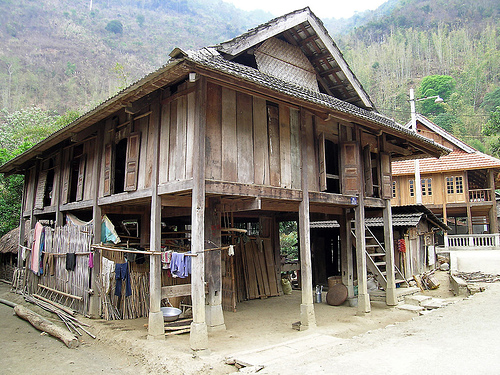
x,y
402,245
180,265
70,261
122,274
36,249
91,260
108,232
166,259
49,265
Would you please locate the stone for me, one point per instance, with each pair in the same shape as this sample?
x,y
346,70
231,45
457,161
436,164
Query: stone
x,y
416,299
407,307
444,267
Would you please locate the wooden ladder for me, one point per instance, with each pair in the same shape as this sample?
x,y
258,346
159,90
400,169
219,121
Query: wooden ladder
x,y
376,259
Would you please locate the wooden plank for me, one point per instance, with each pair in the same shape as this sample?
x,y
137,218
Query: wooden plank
x,y
172,141
312,161
190,134
148,131
181,290
164,143
261,146
252,287
285,157
241,267
244,134
229,139
271,266
274,146
213,147
263,268
258,269
180,169
295,148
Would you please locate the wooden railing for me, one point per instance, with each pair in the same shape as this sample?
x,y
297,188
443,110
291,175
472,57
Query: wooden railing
x,y
480,195
472,241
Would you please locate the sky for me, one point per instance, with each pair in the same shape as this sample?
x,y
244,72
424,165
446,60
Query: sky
x,y
322,8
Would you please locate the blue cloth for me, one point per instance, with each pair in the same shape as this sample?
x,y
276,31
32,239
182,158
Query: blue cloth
x,y
122,274
180,265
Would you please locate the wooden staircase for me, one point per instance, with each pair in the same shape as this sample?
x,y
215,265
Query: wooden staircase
x,y
376,259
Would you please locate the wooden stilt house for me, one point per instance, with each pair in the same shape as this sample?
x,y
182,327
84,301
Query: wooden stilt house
x,y
215,148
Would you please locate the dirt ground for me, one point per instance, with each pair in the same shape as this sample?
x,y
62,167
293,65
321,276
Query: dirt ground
x,y
122,346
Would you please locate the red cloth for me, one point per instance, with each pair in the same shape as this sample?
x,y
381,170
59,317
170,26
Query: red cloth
x,y
402,246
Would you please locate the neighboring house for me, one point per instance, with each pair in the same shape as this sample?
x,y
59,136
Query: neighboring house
x,y
269,126
459,188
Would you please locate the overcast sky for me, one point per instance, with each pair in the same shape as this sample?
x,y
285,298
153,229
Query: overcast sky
x,y
322,8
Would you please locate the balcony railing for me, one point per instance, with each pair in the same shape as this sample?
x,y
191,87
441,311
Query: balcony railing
x,y
472,241
480,195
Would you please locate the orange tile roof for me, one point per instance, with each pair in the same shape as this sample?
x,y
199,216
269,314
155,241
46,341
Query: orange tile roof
x,y
454,161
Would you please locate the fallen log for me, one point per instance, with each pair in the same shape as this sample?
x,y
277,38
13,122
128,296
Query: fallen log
x,y
44,325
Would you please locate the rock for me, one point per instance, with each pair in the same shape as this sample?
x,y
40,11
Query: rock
x,y
444,267
416,300
410,308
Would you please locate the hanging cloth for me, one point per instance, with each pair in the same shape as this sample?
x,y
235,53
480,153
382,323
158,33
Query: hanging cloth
x,y
36,249
122,274
70,261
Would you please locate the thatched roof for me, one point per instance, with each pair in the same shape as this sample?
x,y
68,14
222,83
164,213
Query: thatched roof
x,y
10,241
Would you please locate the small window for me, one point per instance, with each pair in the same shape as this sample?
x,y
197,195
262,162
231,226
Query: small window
x,y
394,189
424,186
449,185
459,185
412,188
429,186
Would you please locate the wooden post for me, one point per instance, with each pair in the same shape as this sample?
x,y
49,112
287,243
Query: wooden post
x,y
307,315
22,225
213,271
390,290
493,209
155,319
346,254
445,213
95,298
363,296
199,335
57,187
467,202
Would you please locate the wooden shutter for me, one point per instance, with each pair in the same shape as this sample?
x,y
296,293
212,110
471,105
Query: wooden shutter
x,y
350,168
81,177
322,163
132,162
40,190
385,163
108,166
367,167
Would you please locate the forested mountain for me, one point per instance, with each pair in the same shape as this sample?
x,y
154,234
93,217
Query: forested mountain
x,y
63,55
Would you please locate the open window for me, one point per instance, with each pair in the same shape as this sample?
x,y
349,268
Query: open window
x,y
121,164
329,165
45,185
349,155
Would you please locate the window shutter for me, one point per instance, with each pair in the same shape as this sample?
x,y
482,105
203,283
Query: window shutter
x,y
40,189
385,162
81,177
132,162
351,169
322,163
367,164
107,169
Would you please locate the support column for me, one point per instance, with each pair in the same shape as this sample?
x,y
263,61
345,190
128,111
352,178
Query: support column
x,y
198,338
390,290
156,329
467,201
493,210
346,254
307,315
363,296
95,276
214,314
22,224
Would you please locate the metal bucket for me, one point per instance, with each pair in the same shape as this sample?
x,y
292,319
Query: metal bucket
x,y
319,290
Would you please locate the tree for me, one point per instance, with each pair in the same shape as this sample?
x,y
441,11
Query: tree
x,y
435,85
288,239
491,100
115,27
492,129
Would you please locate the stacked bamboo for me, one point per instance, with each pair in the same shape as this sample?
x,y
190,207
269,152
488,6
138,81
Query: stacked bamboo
x,y
258,267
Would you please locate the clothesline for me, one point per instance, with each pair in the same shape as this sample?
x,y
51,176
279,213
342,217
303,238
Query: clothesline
x,y
64,254
100,247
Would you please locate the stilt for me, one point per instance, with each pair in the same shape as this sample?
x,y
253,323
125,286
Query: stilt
x,y
363,296
390,290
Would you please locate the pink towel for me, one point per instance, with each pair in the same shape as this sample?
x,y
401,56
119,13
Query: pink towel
x,y
35,249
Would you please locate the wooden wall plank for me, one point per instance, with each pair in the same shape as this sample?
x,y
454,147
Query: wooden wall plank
x,y
261,146
213,146
149,130
172,141
274,146
164,143
190,134
90,148
229,138
312,161
180,160
244,134
295,148
285,158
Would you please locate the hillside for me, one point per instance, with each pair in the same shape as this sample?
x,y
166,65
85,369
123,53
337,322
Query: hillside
x,y
63,55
